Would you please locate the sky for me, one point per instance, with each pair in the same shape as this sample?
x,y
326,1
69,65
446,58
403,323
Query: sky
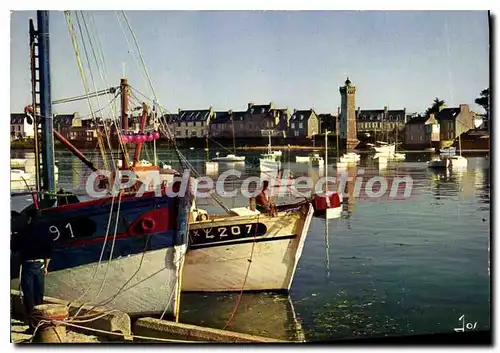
x,y
295,59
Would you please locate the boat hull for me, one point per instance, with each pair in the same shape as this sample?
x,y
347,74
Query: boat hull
x,y
136,284
139,265
270,258
385,149
267,165
301,159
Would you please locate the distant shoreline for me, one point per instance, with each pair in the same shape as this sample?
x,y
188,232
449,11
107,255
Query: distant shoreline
x,y
264,148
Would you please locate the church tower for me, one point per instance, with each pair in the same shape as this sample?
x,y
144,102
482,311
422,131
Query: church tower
x,y
348,135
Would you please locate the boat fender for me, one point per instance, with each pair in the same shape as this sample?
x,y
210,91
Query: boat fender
x,y
148,224
202,217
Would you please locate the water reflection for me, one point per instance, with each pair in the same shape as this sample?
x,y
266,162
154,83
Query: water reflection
x,y
263,314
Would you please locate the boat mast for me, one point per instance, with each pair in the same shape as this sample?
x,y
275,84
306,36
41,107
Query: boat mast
x,y
138,148
326,160
34,103
45,102
234,139
208,152
155,127
124,118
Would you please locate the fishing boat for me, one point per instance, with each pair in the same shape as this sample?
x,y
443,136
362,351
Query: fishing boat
x,y
269,161
244,251
122,251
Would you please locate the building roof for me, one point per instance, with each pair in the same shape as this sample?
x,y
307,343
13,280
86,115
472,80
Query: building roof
x,y
302,115
418,120
221,117
379,115
168,118
194,115
17,118
259,109
64,119
227,116
448,114
238,116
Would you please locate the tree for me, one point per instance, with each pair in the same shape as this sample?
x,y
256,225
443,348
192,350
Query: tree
x,y
437,104
484,100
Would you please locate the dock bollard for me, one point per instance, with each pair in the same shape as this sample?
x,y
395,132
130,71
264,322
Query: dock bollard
x,y
50,332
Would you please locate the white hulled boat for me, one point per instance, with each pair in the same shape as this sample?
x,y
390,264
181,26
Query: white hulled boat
x,y
246,250
228,158
269,162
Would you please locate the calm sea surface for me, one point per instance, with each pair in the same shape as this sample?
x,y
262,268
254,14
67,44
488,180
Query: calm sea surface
x,y
392,267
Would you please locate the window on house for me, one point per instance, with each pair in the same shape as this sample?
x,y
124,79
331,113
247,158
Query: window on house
x,y
292,125
187,133
194,123
179,124
420,138
301,125
193,133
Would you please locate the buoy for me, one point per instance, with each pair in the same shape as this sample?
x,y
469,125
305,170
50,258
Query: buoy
x,y
50,332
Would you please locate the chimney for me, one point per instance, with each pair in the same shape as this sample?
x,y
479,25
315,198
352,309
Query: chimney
x,y
230,111
386,109
338,111
250,105
294,111
179,111
464,107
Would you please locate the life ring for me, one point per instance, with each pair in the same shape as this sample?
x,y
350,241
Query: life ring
x,y
148,224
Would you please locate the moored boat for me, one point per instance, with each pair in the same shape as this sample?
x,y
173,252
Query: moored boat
x,y
121,251
228,158
246,252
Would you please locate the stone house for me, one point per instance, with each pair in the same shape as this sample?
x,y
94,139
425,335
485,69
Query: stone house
x,y
455,121
190,123
380,119
21,126
422,131
304,123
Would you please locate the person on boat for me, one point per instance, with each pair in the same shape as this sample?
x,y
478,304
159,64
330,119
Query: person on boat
x,y
264,204
35,251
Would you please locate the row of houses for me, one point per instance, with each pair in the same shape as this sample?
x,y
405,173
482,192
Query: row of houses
x,y
260,120
445,125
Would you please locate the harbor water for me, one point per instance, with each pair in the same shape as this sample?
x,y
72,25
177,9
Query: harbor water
x,y
404,266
